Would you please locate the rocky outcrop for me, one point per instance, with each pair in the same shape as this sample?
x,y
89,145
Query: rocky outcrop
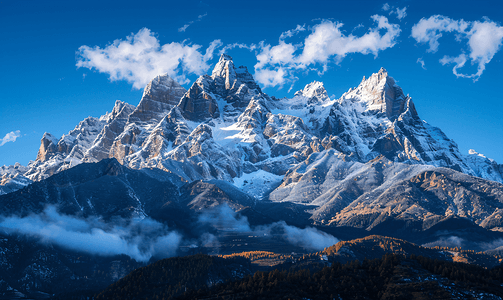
x,y
376,118
484,167
116,122
48,147
56,155
159,96
207,158
198,104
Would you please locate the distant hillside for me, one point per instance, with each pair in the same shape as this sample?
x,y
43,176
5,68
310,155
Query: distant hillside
x,y
376,246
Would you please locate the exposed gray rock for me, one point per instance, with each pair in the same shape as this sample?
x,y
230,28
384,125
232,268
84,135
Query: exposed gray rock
x,y
116,122
224,94
159,96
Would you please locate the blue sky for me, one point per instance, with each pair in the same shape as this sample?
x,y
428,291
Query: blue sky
x,y
62,61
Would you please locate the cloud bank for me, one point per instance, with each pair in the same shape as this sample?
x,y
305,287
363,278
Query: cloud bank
x,y
482,40
140,239
147,238
141,57
10,137
327,43
224,218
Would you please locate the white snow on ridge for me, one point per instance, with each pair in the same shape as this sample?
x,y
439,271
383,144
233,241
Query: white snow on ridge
x,y
258,183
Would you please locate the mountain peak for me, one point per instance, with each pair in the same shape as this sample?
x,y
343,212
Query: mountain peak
x,y
314,89
224,68
163,87
383,71
224,56
48,146
381,93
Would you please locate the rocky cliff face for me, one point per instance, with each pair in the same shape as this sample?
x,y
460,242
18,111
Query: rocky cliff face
x,y
116,122
223,95
159,96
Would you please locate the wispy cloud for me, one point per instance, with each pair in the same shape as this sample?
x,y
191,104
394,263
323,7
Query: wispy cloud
x,y
140,57
421,61
399,12
238,45
140,239
292,32
10,137
224,217
184,27
483,41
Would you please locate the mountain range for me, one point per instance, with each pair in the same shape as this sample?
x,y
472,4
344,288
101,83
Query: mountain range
x,y
224,161
349,156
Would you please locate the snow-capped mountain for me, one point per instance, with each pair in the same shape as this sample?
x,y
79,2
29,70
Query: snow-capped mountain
x,y
364,163
224,127
364,195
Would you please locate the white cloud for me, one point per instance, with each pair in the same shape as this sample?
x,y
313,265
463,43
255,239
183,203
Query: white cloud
x,y
421,61
400,13
484,40
140,239
279,54
211,49
10,137
271,77
459,62
430,30
140,58
184,27
292,32
238,45
326,42
357,27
